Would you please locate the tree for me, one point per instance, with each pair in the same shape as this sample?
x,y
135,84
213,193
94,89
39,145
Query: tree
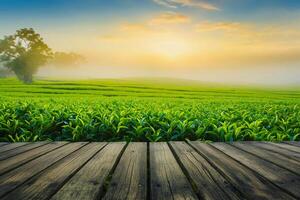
x,y
67,59
5,72
23,53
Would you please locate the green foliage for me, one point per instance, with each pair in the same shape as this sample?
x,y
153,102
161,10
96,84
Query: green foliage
x,y
23,53
141,120
32,113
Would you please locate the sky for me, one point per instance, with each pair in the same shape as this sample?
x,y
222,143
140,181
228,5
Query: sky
x,y
246,41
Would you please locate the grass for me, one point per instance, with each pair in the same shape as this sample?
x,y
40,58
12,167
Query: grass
x,y
146,110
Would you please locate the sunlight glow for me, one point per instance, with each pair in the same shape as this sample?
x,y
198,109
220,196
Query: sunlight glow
x,y
171,47
185,39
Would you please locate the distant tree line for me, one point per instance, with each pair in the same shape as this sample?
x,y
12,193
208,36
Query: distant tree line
x,y
4,72
24,52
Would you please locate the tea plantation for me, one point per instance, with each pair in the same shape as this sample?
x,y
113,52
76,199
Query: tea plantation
x,y
146,110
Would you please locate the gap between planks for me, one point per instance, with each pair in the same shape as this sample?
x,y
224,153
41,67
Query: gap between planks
x,y
188,180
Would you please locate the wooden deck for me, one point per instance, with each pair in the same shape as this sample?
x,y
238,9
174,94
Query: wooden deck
x,y
175,170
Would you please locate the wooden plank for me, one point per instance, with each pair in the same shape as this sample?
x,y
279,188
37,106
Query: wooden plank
x,y
11,180
247,181
3,143
277,175
16,161
129,181
273,148
294,143
21,149
287,146
167,179
50,180
88,182
270,156
11,146
209,182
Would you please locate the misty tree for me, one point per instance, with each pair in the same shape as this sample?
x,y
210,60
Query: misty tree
x,y
23,53
4,72
67,59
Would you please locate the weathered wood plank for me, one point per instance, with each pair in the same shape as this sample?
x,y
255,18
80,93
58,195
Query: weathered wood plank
x,y
88,182
129,181
167,179
21,149
297,144
273,148
247,181
277,175
231,171
3,143
287,146
11,146
270,156
50,180
16,161
11,180
209,182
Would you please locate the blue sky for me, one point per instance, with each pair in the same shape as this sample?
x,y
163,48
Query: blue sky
x,y
68,8
16,13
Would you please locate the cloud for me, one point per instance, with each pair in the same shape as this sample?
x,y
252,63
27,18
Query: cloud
x,y
219,26
169,18
136,27
251,32
165,3
188,3
157,25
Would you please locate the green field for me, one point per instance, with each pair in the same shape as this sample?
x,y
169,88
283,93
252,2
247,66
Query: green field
x,y
146,110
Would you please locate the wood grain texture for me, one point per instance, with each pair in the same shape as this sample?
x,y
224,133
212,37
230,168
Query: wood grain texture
x,y
12,146
270,156
209,182
50,180
286,146
282,151
129,180
20,150
88,182
175,170
277,175
167,179
244,179
297,144
11,180
3,143
13,162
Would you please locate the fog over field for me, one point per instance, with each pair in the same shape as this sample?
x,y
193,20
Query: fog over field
x,y
273,75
